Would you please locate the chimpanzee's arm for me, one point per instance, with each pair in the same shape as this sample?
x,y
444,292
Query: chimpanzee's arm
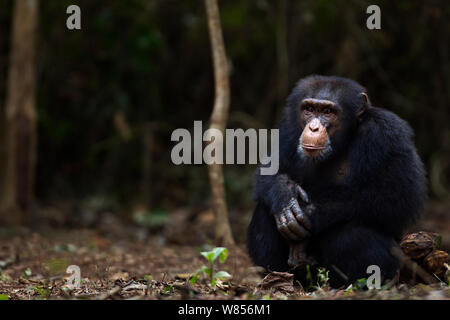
x,y
281,196
274,191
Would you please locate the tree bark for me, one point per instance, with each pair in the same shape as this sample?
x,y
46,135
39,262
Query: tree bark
x,y
20,118
282,53
218,121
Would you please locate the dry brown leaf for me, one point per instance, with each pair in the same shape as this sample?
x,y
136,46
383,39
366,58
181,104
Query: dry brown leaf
x,y
434,262
417,245
278,281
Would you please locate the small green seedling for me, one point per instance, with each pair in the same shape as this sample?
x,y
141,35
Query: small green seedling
x,y
309,278
361,284
322,277
358,285
43,292
211,256
27,273
167,289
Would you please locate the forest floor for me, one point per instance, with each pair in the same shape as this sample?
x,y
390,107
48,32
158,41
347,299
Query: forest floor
x,y
126,265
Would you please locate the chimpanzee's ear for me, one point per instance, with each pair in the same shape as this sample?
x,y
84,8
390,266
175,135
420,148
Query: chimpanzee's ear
x,y
364,106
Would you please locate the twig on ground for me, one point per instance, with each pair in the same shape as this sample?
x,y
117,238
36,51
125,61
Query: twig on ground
x,y
109,293
413,266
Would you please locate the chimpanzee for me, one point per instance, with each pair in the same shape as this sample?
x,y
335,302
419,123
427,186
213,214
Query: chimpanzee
x,y
350,182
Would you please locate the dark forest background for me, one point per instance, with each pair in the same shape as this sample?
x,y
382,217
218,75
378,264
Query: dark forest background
x,y
110,95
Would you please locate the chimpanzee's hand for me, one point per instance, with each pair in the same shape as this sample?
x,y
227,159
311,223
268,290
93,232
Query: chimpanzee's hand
x,y
293,222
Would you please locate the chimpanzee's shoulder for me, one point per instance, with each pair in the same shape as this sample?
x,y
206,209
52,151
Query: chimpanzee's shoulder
x,y
383,140
385,127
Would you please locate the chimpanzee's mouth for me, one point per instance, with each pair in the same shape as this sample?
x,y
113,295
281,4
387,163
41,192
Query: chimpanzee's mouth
x,y
310,151
311,147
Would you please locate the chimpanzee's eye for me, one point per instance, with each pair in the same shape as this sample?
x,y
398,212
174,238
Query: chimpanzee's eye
x,y
309,108
327,111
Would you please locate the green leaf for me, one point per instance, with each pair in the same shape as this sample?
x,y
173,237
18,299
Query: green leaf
x,y
27,273
220,252
212,255
4,297
223,255
148,278
222,275
202,270
43,292
193,279
209,255
207,271
360,284
167,289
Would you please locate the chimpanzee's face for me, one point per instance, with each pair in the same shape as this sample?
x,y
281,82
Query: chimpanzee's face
x,y
319,119
328,110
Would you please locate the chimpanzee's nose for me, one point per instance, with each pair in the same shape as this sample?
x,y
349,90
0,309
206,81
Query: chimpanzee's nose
x,y
314,125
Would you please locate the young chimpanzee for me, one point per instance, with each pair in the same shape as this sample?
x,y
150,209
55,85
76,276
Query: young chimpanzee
x,y
349,183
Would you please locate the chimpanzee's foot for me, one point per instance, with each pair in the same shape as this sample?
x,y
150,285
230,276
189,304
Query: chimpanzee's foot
x,y
298,258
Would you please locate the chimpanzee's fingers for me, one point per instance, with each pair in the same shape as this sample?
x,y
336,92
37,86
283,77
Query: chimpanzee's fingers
x,y
294,225
283,227
302,193
300,216
304,220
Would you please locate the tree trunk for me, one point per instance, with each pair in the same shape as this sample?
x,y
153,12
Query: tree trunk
x,y
147,162
218,121
20,118
282,53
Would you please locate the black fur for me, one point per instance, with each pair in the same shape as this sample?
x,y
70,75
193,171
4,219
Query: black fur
x,y
358,218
